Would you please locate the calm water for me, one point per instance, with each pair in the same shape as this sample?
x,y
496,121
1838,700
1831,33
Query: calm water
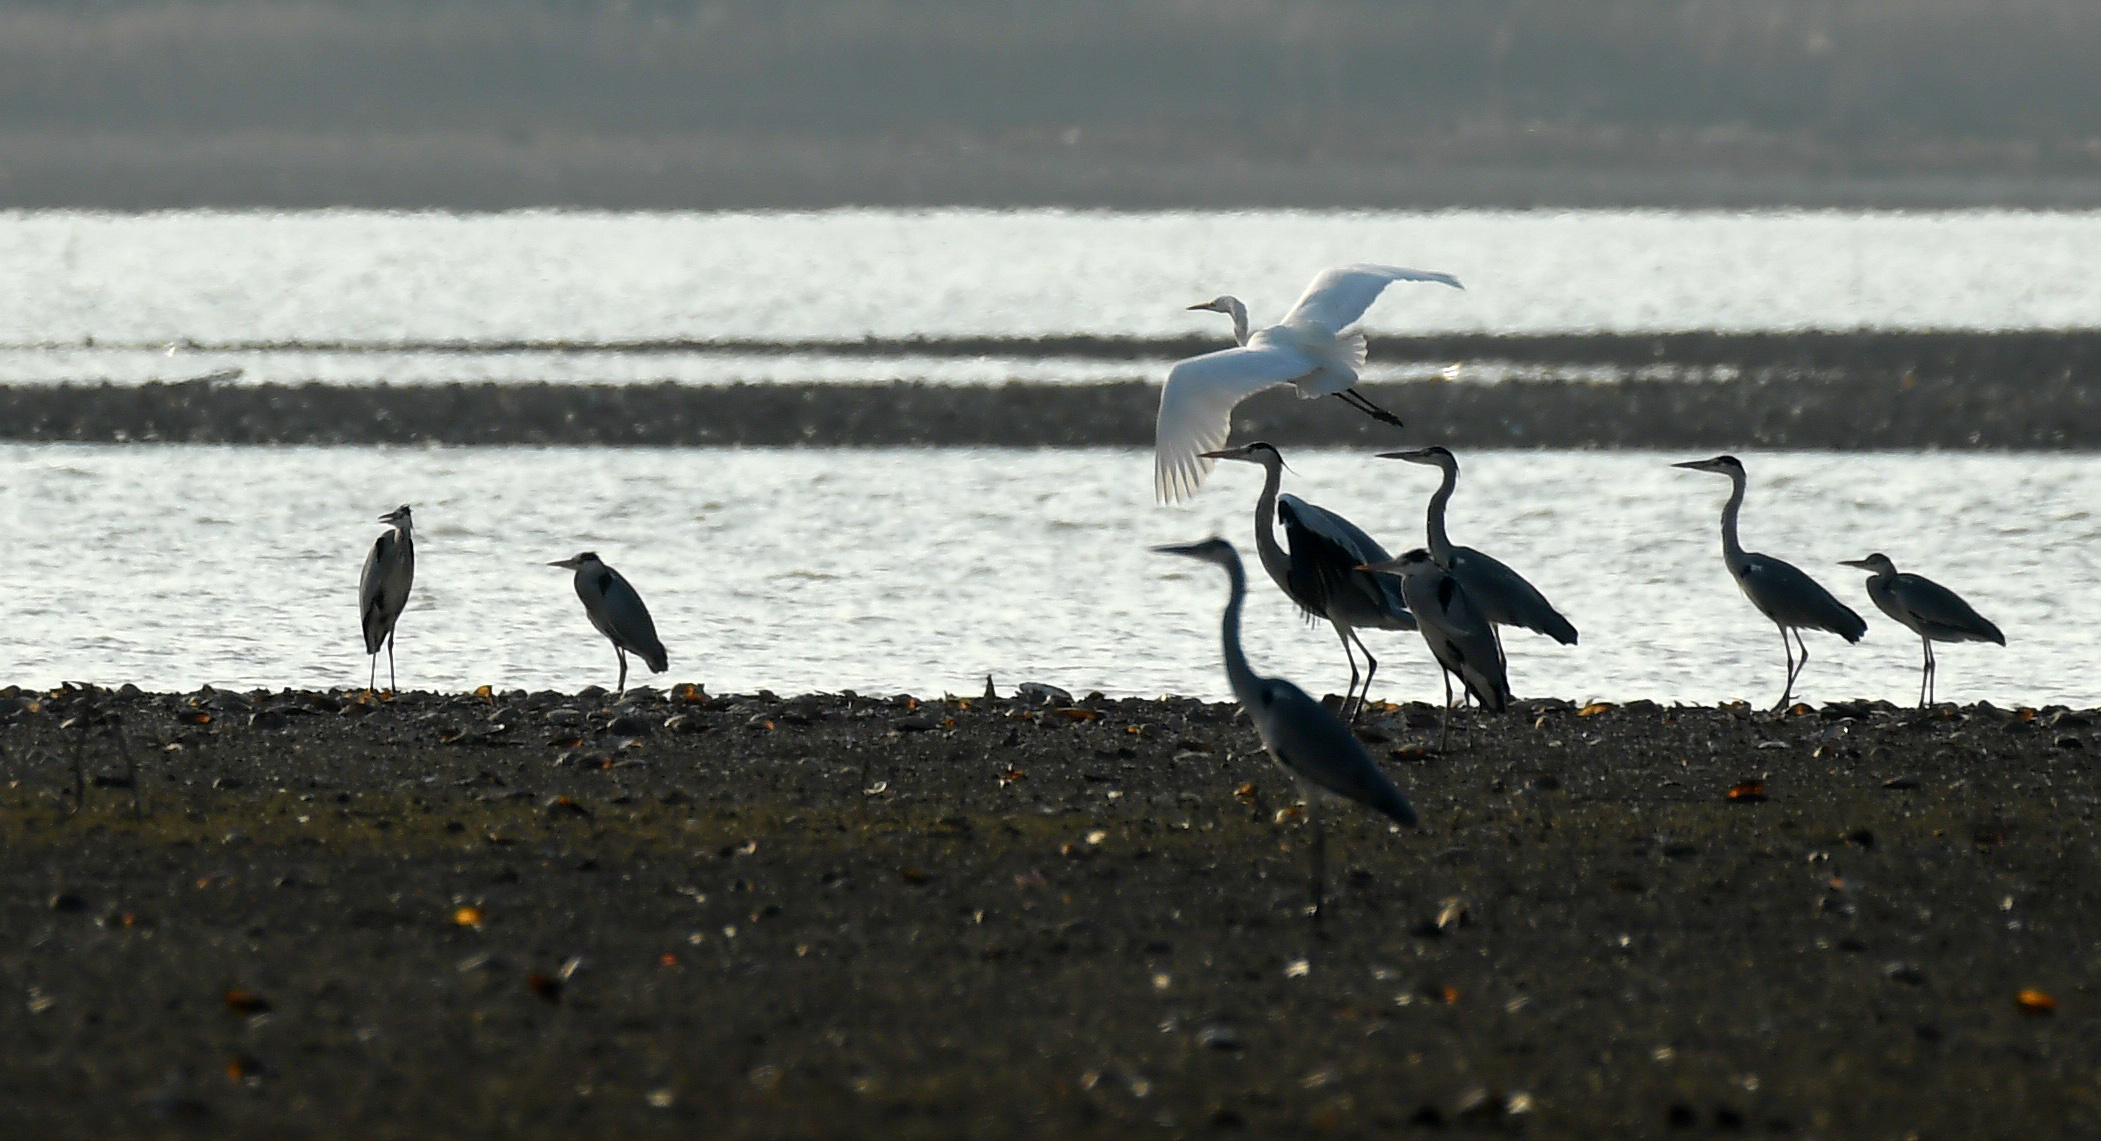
x,y
155,292
922,571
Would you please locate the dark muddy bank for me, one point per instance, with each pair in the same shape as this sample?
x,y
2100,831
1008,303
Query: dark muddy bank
x,y
547,915
1906,413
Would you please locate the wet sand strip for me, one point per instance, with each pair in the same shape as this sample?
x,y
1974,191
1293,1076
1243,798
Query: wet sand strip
x,y
560,915
1864,352
1778,411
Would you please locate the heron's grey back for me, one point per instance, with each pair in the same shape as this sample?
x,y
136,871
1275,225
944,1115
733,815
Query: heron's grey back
x,y
1319,749
383,586
1506,598
1786,594
1932,610
617,610
1326,549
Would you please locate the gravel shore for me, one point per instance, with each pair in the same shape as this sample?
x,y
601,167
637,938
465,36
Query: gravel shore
x,y
561,915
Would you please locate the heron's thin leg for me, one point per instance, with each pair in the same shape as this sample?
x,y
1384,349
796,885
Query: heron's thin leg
x,y
1320,862
1788,650
1343,633
392,685
1444,727
1362,403
1926,694
1371,670
372,678
621,685
1801,655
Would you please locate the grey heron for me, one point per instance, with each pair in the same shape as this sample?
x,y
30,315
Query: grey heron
x,y
383,588
617,611
1502,595
1311,348
1310,743
1458,633
1928,609
1780,590
1320,573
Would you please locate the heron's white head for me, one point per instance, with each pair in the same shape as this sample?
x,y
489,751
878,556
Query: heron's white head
x,y
1877,563
1434,455
398,517
1260,452
1223,303
579,562
1720,465
1417,561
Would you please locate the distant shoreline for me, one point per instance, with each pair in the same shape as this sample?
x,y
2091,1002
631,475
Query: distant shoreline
x,y
1809,412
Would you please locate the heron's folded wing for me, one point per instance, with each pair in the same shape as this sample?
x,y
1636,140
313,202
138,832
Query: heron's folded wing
x,y
632,627
1942,608
1342,293
1196,409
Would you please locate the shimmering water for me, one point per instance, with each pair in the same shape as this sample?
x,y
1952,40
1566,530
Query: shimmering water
x,y
174,295
924,570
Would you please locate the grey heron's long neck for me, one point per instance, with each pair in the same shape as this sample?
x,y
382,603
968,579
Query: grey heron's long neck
x,y
1732,551
1239,674
1274,560
1440,544
1239,312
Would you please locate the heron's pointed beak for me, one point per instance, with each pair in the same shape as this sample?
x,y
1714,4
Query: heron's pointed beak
x,y
1418,456
1694,465
1863,564
565,564
1205,305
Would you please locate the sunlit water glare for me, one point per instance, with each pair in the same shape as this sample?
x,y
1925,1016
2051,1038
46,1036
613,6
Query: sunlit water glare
x,y
925,570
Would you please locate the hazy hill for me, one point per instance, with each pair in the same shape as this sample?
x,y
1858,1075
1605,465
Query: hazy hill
x,y
1091,102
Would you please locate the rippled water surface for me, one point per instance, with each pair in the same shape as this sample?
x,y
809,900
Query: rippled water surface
x,y
163,296
924,570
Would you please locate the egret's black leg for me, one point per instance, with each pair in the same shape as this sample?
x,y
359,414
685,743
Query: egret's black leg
x,y
1361,403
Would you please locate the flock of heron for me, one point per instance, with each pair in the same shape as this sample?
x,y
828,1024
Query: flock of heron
x,y
1456,597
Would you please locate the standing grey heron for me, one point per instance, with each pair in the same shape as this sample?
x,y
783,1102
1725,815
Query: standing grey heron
x,y
1502,595
1310,348
617,611
1320,572
1928,609
1310,743
1459,635
383,589
1780,590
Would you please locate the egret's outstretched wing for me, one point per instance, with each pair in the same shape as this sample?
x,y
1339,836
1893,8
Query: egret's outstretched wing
x,y
1341,295
1196,409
